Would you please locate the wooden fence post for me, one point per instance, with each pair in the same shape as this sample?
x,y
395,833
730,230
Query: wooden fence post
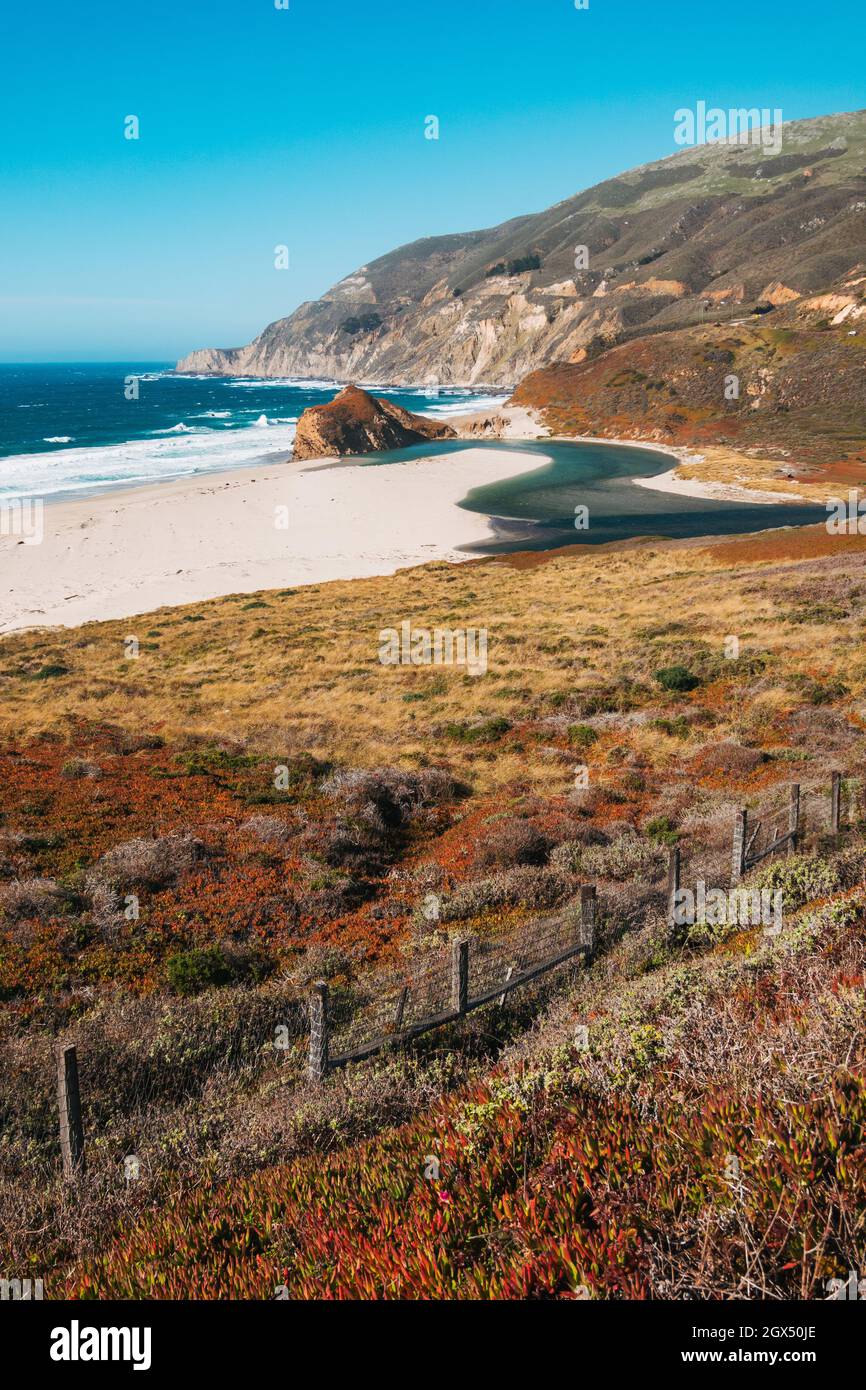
x,y
459,975
318,1063
673,885
794,817
69,1105
508,974
588,909
401,1006
835,804
738,856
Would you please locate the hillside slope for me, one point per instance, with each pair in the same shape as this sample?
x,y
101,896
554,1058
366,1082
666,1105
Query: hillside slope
x,y
714,227
607,1167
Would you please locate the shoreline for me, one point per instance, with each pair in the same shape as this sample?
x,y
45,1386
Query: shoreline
x,y
127,550
712,492
516,420
114,556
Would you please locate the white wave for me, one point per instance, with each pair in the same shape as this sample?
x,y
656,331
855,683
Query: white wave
x,y
87,469
301,383
175,429
214,415
57,439
465,407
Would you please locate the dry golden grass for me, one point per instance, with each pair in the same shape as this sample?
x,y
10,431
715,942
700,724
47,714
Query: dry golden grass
x,y
293,670
719,464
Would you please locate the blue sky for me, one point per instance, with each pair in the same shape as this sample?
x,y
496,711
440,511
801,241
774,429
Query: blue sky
x,y
305,127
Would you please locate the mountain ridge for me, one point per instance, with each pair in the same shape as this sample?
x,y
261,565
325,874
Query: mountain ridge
x,y
715,227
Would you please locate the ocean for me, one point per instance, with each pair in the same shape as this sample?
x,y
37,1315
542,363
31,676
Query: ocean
x,y
79,428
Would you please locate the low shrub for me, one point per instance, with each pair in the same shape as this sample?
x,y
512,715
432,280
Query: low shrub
x,y
800,877
677,678
270,829
150,864
30,897
582,735
190,972
487,731
75,768
525,886
627,857
512,842
662,831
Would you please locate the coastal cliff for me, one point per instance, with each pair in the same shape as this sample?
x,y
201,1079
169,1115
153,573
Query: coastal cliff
x,y
714,231
355,422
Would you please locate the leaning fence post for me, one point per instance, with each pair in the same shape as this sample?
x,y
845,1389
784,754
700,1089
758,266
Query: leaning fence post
x,y
401,1006
738,858
835,803
459,975
588,907
673,884
318,1064
69,1105
794,817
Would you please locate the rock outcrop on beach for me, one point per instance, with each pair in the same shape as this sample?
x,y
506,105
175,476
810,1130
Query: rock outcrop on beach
x,y
355,422
716,230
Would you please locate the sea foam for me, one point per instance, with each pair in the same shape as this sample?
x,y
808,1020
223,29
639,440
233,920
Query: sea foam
x,y
59,472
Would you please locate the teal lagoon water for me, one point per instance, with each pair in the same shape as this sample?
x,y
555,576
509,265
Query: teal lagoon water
x,y
536,509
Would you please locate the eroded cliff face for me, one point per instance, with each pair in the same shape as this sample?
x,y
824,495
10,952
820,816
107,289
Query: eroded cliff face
x,y
789,381
355,422
708,231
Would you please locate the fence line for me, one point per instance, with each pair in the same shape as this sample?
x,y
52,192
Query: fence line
x,y
447,982
462,1001
748,849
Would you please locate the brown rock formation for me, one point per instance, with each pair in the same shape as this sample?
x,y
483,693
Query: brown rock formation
x,y
355,422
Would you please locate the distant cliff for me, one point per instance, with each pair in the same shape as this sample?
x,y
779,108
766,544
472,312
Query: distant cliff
x,y
355,422
711,230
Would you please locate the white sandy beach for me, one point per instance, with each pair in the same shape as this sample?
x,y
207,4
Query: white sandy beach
x,y
130,551
716,492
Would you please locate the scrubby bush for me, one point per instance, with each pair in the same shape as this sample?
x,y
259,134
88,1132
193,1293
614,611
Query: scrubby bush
x,y
30,897
674,728
568,856
533,888
512,842
322,962
395,794
660,829
268,828
330,892
50,672
800,877
150,864
190,972
677,678
375,806
728,757
582,735
75,768
485,731
629,856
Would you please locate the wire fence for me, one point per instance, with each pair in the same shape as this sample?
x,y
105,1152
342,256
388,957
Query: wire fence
x,y
154,1054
